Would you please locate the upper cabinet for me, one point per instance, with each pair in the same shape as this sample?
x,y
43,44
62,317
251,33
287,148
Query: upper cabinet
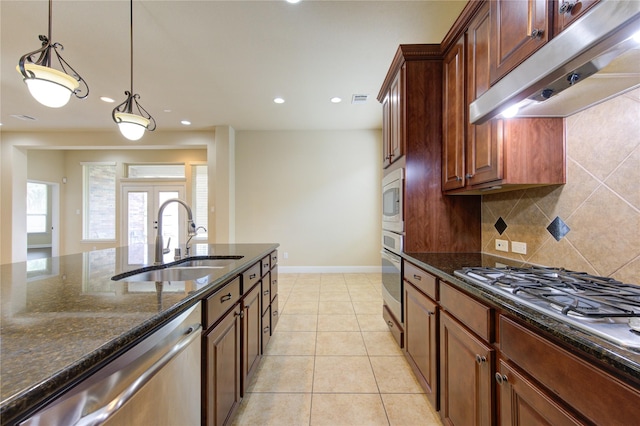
x,y
501,154
567,11
518,28
393,115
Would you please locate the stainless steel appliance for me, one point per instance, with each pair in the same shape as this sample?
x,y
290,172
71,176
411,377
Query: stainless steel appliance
x,y
599,306
157,382
391,273
392,203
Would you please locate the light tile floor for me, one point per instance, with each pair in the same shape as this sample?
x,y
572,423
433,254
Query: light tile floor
x,y
332,360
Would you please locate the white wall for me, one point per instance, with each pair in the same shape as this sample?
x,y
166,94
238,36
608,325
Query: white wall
x,y
317,193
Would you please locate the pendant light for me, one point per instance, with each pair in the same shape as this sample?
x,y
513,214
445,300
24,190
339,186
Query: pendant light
x,y
131,117
49,86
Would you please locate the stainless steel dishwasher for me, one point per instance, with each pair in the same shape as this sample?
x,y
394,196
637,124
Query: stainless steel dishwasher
x,y
157,382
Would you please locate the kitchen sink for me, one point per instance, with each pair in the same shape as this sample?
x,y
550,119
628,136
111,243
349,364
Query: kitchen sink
x,y
176,273
206,262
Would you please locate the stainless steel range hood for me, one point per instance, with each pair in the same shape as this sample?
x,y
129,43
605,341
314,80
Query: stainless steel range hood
x,y
594,59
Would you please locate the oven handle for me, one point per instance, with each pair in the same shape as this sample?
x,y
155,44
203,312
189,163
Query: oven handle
x,y
393,258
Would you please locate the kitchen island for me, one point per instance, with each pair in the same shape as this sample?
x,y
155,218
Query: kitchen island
x,y
63,322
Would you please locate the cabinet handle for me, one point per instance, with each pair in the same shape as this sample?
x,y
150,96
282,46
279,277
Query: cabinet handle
x,y
430,313
275,313
390,324
458,178
536,33
274,282
468,176
239,314
567,7
480,359
225,298
252,276
501,379
266,292
265,330
417,277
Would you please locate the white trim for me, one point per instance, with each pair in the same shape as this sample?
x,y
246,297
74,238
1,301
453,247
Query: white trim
x,y
329,269
37,246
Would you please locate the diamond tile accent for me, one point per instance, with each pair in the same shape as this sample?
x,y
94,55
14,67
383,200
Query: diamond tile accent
x,y
500,225
558,228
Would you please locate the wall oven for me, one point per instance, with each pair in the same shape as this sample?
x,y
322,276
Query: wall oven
x,y
391,273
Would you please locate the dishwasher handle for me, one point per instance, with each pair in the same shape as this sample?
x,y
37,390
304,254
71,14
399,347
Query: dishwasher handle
x,y
102,414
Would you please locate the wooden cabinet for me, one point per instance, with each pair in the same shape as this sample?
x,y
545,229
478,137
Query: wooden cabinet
x,y
567,11
393,115
251,334
523,403
501,154
443,224
421,343
221,394
454,112
221,354
466,375
518,28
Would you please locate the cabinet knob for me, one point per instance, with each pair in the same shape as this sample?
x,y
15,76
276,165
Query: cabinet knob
x,y
480,359
567,6
501,379
430,313
390,324
536,33
468,175
239,314
458,178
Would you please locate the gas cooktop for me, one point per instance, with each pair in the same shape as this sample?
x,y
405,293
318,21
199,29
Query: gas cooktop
x,y
601,306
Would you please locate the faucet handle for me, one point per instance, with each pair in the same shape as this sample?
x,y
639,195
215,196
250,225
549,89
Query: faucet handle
x,y
166,250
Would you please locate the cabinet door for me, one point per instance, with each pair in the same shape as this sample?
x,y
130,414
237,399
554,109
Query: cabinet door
x,y
453,126
518,28
252,331
221,393
420,322
397,102
465,376
386,131
524,404
567,11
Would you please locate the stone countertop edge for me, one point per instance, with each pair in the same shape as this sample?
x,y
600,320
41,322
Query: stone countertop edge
x,y
622,361
19,406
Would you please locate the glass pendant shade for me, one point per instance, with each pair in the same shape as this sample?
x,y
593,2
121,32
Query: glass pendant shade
x,y
131,126
50,87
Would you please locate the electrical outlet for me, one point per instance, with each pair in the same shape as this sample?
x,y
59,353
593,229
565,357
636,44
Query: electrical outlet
x,y
286,255
518,247
502,245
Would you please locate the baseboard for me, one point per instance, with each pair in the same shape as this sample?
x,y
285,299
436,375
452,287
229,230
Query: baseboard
x,y
329,269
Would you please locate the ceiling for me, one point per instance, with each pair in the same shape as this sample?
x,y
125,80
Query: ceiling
x,y
218,62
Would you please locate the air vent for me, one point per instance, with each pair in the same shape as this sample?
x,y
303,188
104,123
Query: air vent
x,y
359,99
23,117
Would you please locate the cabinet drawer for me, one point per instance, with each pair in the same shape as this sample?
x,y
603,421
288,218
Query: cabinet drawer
x,y
467,310
274,258
220,302
266,264
595,394
250,277
274,313
394,327
266,293
420,279
274,282
266,328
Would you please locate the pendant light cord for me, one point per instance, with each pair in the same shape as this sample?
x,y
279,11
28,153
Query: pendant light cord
x,y
50,19
131,41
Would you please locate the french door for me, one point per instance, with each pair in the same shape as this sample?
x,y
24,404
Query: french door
x,y
141,204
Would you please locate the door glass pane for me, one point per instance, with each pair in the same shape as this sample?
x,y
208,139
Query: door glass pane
x,y
170,219
137,225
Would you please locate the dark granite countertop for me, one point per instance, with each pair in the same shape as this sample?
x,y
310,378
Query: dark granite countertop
x,y
622,361
63,318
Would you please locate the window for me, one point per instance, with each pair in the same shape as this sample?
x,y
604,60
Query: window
x,y
37,202
99,201
138,171
200,195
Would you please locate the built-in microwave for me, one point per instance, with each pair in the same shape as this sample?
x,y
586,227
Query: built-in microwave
x,y
392,194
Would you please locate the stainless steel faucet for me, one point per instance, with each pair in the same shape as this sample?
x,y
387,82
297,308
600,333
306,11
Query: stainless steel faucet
x,y
160,249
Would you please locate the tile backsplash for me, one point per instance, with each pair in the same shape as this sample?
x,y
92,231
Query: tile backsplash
x,y
592,223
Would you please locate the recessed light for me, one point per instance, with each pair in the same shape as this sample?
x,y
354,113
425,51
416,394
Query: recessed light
x,y
107,99
278,100
293,1
336,100
186,122
167,110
